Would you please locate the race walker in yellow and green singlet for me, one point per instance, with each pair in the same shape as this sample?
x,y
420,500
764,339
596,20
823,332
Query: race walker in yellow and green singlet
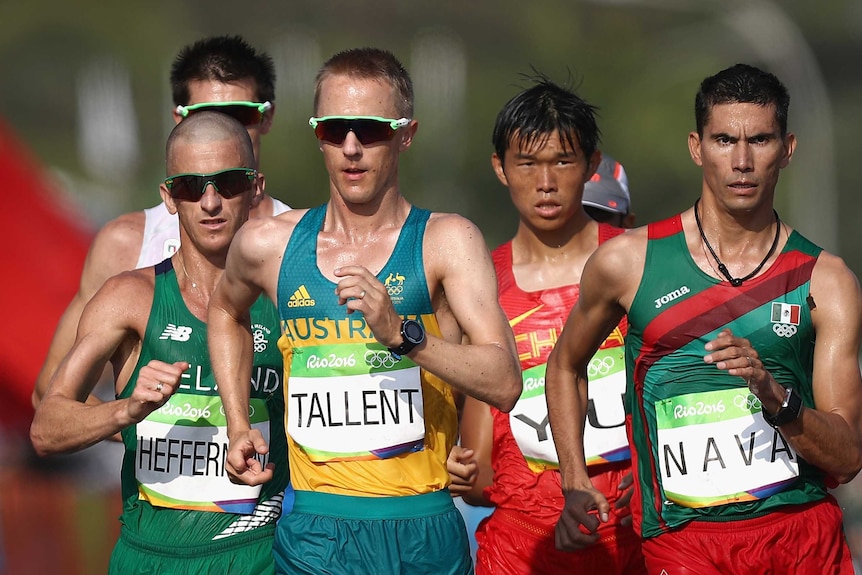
x,y
368,431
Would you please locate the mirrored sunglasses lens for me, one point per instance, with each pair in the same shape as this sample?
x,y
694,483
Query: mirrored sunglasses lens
x,y
371,131
367,131
245,115
332,131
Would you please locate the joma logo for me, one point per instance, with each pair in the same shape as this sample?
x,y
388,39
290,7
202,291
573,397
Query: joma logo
x,y
675,294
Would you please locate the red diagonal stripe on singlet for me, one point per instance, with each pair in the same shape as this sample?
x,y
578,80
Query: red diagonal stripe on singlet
x,y
669,332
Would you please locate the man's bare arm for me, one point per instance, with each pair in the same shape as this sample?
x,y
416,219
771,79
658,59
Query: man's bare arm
x,y
477,434
830,436
252,268
110,327
487,367
598,310
115,249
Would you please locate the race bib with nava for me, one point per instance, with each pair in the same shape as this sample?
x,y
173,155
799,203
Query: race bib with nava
x,y
604,435
354,401
715,448
181,454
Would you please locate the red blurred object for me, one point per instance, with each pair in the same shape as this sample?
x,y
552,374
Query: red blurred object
x,y
44,251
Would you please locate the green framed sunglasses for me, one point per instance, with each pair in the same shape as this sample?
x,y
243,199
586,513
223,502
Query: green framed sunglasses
x,y
246,113
228,183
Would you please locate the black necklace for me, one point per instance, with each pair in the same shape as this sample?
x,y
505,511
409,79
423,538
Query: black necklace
x,y
736,282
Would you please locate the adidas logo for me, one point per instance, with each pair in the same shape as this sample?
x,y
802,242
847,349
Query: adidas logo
x,y
300,298
176,332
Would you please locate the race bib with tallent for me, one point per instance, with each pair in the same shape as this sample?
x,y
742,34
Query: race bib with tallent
x,y
354,401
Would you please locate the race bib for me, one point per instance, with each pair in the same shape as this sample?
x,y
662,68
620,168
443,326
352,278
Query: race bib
x,y
715,448
604,435
181,454
354,401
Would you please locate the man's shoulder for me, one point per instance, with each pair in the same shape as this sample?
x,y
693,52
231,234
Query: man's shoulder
x,y
268,232
125,226
131,288
117,244
447,222
622,254
623,239
123,302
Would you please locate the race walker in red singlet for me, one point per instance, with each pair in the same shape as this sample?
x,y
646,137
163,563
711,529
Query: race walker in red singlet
x,y
526,493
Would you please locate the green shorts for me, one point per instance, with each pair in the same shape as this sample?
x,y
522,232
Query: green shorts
x,y
339,534
244,554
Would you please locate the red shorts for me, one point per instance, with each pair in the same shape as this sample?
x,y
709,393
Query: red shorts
x,y
510,545
512,542
797,539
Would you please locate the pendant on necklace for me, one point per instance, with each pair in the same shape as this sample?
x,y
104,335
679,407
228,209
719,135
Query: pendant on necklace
x,y
736,282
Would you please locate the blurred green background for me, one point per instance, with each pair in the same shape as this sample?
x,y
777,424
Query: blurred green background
x,y
85,85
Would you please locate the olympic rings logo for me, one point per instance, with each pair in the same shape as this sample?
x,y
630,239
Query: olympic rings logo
x,y
747,402
379,359
395,290
250,410
600,366
784,329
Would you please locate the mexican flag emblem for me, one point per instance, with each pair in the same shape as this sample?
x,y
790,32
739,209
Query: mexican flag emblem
x,y
785,313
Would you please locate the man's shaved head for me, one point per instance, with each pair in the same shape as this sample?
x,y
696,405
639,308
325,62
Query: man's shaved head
x,y
208,127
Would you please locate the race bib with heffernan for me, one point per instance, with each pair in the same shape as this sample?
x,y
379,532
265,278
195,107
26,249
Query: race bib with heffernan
x,y
715,448
354,401
605,434
181,455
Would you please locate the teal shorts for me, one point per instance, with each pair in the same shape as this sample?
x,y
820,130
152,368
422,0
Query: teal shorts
x,y
244,554
340,534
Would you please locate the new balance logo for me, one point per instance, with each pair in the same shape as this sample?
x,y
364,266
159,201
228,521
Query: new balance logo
x,y
176,332
300,298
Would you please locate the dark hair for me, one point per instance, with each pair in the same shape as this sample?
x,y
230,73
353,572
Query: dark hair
x,y
741,84
223,59
370,63
536,112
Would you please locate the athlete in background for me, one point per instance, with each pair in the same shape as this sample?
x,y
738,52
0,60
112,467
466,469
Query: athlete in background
x,y
545,141
606,196
222,73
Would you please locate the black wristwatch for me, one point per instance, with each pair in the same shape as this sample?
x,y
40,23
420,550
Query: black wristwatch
x,y
412,334
788,411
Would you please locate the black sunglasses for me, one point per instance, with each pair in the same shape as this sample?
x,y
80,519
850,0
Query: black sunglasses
x,y
228,183
368,129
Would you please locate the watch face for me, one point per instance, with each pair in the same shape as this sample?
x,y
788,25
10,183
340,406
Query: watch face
x,y
413,331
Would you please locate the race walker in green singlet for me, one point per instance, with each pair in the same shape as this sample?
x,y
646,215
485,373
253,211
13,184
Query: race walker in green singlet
x,y
712,456
173,470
